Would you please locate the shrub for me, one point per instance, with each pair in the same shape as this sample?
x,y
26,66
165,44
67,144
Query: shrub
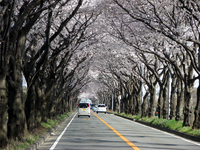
x,y
123,114
195,132
64,115
138,117
46,125
185,129
52,122
144,119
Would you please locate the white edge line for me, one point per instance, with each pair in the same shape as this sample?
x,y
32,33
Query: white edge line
x,y
57,140
161,131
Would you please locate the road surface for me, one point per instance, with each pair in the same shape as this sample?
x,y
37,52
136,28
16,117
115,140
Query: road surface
x,y
110,132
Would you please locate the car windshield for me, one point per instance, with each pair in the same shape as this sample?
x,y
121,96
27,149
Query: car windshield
x,y
101,105
83,105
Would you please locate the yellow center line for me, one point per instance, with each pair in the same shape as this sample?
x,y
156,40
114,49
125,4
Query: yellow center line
x,y
121,136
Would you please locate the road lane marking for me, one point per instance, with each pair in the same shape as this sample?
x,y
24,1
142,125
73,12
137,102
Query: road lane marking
x,y
57,140
87,119
119,134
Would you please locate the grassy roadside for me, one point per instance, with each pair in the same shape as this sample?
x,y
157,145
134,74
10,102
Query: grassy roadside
x,y
170,124
31,137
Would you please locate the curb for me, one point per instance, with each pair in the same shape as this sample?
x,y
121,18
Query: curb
x,y
184,135
43,137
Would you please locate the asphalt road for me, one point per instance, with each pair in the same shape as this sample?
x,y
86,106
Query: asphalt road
x,y
109,132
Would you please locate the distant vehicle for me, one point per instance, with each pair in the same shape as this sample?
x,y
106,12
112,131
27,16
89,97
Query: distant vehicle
x,y
86,100
84,109
101,108
94,108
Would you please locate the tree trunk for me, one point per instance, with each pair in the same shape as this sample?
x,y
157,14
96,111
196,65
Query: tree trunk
x,y
134,104
180,100
115,102
67,103
123,102
131,104
46,109
38,116
16,121
139,100
144,105
46,99
126,104
52,110
165,100
28,71
188,109
3,113
30,107
160,103
52,106
196,124
63,102
173,98
152,101
6,12
44,112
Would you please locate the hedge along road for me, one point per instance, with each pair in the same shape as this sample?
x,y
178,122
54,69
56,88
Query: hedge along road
x,y
106,131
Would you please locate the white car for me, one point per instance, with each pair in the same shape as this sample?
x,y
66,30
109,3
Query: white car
x,y
94,108
84,109
101,108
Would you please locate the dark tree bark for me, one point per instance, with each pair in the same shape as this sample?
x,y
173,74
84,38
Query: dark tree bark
x,y
180,100
3,113
38,109
46,99
196,124
188,108
160,103
166,99
30,107
173,103
16,120
138,95
5,17
31,96
144,111
152,91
